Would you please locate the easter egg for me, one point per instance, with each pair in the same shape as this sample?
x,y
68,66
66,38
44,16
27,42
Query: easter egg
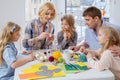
x,y
75,56
45,57
37,55
60,59
41,58
51,58
56,54
82,58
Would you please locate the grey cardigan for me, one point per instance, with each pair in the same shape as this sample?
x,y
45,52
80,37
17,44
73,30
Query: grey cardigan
x,y
63,44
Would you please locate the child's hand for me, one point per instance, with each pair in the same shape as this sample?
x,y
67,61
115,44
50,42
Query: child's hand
x,y
67,35
89,55
31,57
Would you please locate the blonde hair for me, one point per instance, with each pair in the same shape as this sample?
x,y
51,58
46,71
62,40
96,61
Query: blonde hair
x,y
8,30
45,7
71,22
112,35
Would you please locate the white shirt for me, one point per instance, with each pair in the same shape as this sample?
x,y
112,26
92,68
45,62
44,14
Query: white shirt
x,y
107,61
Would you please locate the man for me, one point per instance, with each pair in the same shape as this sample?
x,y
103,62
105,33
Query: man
x,y
93,19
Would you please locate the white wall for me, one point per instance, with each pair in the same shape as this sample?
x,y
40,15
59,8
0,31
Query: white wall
x,y
12,10
60,9
114,11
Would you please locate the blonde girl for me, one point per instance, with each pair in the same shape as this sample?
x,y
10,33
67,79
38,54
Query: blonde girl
x,y
68,35
107,37
8,51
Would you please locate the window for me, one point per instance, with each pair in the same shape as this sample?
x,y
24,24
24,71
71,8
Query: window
x,y
76,8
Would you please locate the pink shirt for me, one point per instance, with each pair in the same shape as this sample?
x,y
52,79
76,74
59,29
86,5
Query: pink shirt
x,y
107,61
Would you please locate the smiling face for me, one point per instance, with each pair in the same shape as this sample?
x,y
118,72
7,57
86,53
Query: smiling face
x,y
46,12
64,25
47,16
67,23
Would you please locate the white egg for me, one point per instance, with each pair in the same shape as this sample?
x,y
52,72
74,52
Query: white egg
x,y
41,58
36,55
45,57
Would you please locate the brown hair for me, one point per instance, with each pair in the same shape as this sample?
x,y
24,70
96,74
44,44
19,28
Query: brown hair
x,y
9,29
92,12
70,20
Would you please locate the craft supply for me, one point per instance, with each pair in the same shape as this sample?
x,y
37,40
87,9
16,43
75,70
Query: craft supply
x,y
38,71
